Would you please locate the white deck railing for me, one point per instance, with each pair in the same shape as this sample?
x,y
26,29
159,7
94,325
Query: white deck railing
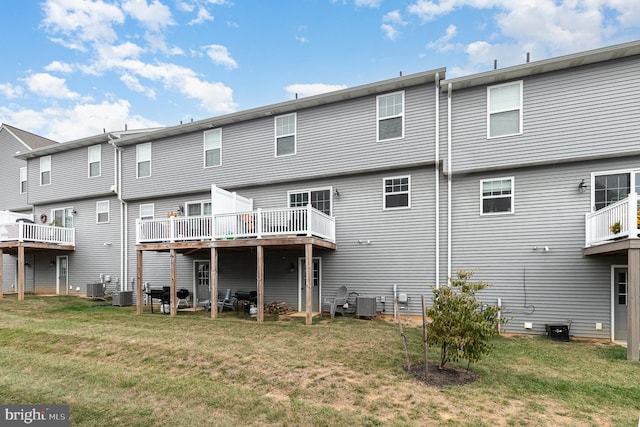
x,y
255,224
613,222
25,232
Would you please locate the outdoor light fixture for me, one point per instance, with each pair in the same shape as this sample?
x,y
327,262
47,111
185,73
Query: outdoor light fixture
x,y
582,187
336,193
292,268
181,210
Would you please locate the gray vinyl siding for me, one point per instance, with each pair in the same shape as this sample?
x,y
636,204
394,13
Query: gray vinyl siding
x,y
340,138
70,177
561,285
10,173
580,113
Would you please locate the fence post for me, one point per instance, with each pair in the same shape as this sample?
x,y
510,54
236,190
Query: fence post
x,y
259,221
309,220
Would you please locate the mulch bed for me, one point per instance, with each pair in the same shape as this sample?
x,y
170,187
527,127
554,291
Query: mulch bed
x,y
440,378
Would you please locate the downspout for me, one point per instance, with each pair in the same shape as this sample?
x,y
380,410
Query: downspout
x,y
117,170
449,172
437,178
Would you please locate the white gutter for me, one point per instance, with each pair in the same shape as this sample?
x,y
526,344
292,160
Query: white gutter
x,y
437,177
449,90
117,179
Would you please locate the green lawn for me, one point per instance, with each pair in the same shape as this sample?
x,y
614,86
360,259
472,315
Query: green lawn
x,y
113,367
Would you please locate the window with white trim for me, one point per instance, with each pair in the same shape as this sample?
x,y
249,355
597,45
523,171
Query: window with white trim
x,y
319,199
285,135
62,217
496,196
147,211
23,180
94,154
199,208
390,115
397,192
504,110
102,211
143,160
213,148
45,170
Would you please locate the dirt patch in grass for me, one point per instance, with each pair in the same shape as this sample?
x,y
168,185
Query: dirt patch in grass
x,y
450,376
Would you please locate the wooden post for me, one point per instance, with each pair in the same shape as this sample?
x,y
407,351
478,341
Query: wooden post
x,y
139,282
1,273
308,262
213,273
260,272
633,305
425,344
20,272
173,300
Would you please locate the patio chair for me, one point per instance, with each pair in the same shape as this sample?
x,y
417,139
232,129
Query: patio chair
x,y
336,303
229,301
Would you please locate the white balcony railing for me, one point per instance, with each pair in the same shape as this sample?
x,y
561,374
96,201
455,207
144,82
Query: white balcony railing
x,y
618,220
26,232
255,224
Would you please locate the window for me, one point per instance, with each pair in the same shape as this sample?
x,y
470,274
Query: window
x,y
45,170
143,160
23,180
102,211
396,192
319,199
147,211
610,188
497,196
285,135
200,208
391,116
62,217
213,148
504,110
94,158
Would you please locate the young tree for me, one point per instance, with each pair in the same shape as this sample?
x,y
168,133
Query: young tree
x,y
462,325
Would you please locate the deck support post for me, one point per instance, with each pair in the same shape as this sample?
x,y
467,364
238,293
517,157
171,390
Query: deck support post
x,y
633,305
20,272
1,273
173,300
139,282
308,274
260,274
213,271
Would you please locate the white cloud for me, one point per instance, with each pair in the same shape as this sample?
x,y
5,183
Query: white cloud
x,y
442,44
368,3
59,67
10,91
79,121
309,89
134,84
154,16
390,22
220,55
203,15
44,84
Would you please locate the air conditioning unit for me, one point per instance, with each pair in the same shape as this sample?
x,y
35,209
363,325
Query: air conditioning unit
x,y
95,290
123,298
366,306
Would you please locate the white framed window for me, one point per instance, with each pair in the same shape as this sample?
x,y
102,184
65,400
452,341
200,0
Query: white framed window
x,y
496,196
612,186
102,211
147,211
213,148
94,156
45,170
23,180
390,115
198,208
504,109
62,217
143,160
396,192
285,135
319,199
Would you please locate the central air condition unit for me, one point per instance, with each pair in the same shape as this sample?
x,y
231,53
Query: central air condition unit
x,y
366,306
123,298
95,290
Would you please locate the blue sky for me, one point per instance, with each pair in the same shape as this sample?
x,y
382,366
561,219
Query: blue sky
x,y
71,68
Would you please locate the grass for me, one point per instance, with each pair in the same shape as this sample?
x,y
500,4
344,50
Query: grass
x,y
113,367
